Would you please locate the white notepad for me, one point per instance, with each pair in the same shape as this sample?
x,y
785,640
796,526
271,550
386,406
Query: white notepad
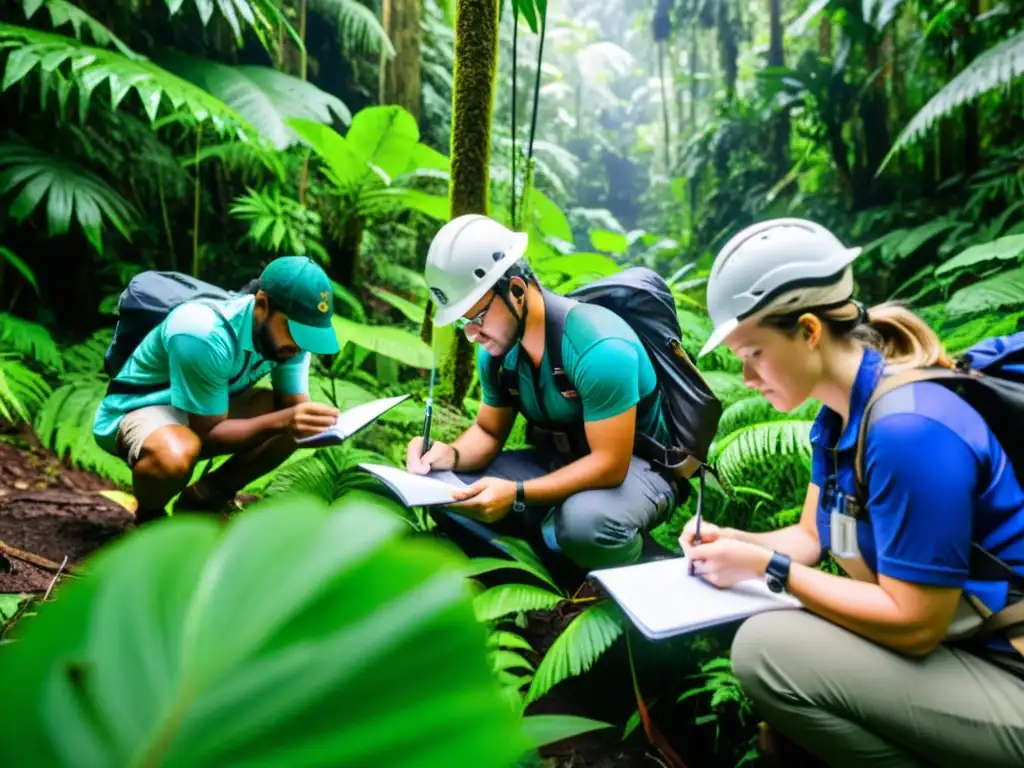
x,y
663,600
414,490
351,421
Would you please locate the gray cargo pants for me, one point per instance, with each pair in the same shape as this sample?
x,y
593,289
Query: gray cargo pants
x,y
851,702
594,529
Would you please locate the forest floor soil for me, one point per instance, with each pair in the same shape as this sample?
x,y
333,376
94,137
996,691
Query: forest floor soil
x,y
52,511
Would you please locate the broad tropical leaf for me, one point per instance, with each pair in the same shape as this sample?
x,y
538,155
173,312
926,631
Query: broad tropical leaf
x,y
88,67
264,96
576,649
994,293
22,268
1002,249
68,189
413,312
995,67
607,241
548,729
377,202
403,346
196,644
235,12
359,29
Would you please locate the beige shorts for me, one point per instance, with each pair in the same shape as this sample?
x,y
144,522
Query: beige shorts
x,y
139,424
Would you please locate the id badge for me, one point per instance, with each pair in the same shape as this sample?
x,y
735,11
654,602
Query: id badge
x,y
844,535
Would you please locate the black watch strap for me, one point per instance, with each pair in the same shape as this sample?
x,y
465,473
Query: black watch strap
x,y
777,572
520,502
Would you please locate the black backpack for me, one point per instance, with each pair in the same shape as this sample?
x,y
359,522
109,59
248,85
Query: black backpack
x,y
145,302
989,376
642,298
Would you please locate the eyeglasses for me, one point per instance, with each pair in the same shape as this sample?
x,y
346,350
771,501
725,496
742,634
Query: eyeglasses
x,y
477,319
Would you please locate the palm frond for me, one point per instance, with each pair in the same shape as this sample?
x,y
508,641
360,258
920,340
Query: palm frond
x,y
576,649
88,67
505,599
995,67
265,97
359,29
62,12
30,340
68,189
1005,289
64,425
235,12
22,390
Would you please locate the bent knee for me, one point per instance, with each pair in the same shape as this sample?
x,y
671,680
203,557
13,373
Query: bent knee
x,y
772,648
170,452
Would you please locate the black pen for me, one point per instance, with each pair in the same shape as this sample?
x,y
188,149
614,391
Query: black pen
x,y
700,510
429,411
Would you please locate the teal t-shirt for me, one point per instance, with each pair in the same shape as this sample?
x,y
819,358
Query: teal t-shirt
x,y
197,350
603,358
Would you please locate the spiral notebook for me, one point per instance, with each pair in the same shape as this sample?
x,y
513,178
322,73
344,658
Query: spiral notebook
x,y
663,600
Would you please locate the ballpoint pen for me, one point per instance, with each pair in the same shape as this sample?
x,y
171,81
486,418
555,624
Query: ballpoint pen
x,y
700,510
429,411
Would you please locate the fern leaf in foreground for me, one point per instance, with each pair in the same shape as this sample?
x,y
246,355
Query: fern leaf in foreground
x,y
574,651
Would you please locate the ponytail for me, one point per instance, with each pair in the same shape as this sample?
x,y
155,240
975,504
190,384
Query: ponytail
x,y
903,338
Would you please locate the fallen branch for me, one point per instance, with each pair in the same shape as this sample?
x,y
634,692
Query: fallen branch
x,y
36,560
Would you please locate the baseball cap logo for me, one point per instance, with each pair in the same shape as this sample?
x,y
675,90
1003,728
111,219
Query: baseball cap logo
x,y
322,306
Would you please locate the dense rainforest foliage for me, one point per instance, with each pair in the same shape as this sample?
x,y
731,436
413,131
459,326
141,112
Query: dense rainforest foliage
x,y
209,136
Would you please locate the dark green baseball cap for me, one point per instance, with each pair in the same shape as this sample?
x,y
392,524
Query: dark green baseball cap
x,y
298,287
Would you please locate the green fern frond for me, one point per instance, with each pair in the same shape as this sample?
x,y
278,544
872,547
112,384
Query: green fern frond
x,y
64,425
757,410
69,190
760,448
727,386
328,473
505,599
576,649
235,13
995,67
31,340
359,30
87,357
88,67
22,390
62,12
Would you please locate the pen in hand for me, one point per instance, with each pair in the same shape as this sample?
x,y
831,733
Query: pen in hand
x,y
428,412
700,511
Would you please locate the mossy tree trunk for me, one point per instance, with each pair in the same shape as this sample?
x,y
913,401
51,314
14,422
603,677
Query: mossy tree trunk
x,y
476,61
401,76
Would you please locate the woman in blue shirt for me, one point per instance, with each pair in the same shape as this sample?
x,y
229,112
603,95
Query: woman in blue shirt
x,y
865,675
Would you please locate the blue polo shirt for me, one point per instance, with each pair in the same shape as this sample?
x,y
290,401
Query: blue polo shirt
x,y
937,481
203,353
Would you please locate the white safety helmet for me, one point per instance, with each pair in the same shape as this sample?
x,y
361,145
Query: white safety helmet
x,y
467,257
777,265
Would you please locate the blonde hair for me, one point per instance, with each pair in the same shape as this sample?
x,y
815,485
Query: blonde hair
x,y
903,338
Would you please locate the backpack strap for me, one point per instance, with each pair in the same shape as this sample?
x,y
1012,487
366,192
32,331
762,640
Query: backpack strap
x,y
556,312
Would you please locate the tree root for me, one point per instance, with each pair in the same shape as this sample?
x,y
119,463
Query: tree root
x,y
36,560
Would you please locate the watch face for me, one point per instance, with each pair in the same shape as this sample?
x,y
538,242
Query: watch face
x,y
774,584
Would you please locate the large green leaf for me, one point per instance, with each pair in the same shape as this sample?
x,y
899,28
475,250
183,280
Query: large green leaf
x,y
68,189
504,599
386,340
62,12
376,202
299,635
385,137
412,311
359,30
264,96
580,265
89,67
607,241
994,293
548,217
547,729
1002,249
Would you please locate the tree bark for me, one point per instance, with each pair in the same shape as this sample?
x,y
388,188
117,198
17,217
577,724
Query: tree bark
x,y
776,58
402,73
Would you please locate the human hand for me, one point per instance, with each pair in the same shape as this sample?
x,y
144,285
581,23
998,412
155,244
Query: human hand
x,y
725,561
488,499
438,456
310,418
708,532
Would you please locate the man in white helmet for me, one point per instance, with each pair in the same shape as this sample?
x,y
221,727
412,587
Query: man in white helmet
x,y
591,498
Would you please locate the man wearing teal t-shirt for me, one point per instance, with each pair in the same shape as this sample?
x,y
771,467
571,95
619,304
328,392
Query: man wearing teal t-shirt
x,y
594,502
186,392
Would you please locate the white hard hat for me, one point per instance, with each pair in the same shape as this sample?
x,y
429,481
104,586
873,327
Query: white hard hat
x,y
467,257
777,265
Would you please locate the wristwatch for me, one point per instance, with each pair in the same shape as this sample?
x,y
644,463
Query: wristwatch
x,y
777,572
519,505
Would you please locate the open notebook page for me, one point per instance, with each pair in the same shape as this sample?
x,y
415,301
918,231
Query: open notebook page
x,y
352,420
417,490
663,600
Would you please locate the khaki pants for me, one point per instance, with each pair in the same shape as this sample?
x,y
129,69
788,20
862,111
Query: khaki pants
x,y
852,702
